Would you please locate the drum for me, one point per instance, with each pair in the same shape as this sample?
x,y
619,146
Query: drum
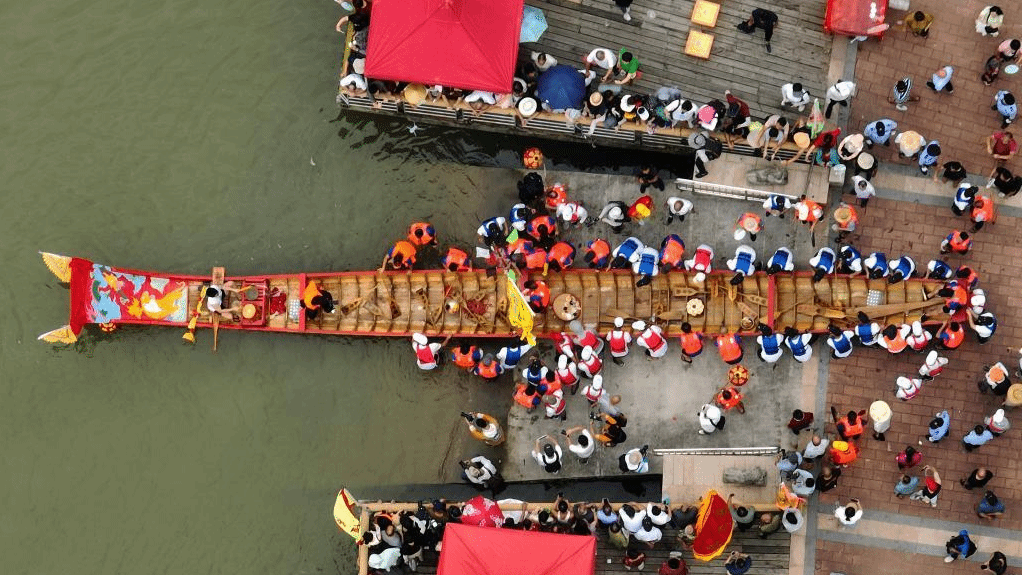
x,y
567,307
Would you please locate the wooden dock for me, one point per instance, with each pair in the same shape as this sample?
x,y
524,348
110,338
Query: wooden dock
x,y
738,62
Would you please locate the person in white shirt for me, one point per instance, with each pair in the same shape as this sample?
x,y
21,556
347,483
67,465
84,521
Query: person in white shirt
x,y
941,80
583,445
803,483
659,514
478,470
543,61
839,93
710,419
480,100
631,518
791,519
602,58
795,95
679,207
863,190
354,84
850,514
648,533
816,447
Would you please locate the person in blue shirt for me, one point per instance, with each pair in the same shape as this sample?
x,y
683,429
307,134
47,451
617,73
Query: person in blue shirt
x,y
977,437
840,342
800,344
901,269
959,545
823,263
939,270
929,156
743,264
1004,103
990,507
782,260
867,330
621,256
939,426
849,260
880,132
510,355
770,343
876,265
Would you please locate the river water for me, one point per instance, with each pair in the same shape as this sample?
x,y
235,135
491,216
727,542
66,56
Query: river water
x,y
178,137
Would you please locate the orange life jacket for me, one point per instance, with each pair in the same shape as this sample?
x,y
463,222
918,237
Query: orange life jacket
x,y
983,209
600,250
488,371
853,220
641,208
422,234
311,291
847,430
729,348
896,344
407,251
466,359
844,457
542,225
522,398
969,281
521,245
812,213
954,338
555,196
536,259
539,297
691,343
456,259
725,403
673,253
756,221
958,244
562,253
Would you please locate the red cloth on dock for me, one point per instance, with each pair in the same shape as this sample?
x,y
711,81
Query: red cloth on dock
x,y
855,17
471,44
470,550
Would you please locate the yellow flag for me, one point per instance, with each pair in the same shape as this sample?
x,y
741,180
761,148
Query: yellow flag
x,y
519,314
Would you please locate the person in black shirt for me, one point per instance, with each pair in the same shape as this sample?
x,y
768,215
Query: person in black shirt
x,y
951,172
978,478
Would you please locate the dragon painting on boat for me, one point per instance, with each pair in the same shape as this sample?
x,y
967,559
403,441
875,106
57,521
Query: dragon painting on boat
x,y
478,303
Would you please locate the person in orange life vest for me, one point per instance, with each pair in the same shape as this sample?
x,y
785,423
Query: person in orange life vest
x,y
850,426
567,373
808,212
556,195
691,342
650,338
641,209
594,391
982,212
843,453
488,368
456,261
315,300
618,339
748,223
543,230
538,295
586,337
550,383
672,252
401,256
527,395
730,347
560,256
466,356
951,335
955,296
534,258
907,388
701,262
590,363
597,254
919,338
933,365
846,220
427,355
957,241
729,397
572,213
967,277
893,338
556,407
422,234
613,432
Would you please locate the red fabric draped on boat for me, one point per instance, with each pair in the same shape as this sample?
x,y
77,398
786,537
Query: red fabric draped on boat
x,y
470,44
81,296
713,527
471,550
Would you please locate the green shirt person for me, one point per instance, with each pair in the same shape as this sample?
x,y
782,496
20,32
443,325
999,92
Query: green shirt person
x,y
627,63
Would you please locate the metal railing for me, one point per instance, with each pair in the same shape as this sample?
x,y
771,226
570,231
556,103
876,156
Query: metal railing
x,y
719,451
725,191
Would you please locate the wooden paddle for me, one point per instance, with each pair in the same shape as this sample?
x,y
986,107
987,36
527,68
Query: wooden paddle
x,y
892,308
218,279
189,335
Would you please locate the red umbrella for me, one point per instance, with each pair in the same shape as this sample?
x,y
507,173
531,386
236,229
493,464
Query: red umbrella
x,y
482,512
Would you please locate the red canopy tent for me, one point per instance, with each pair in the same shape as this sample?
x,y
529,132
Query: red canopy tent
x,y
470,550
856,17
470,44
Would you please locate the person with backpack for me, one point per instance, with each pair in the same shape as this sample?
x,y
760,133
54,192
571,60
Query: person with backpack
x,y
706,150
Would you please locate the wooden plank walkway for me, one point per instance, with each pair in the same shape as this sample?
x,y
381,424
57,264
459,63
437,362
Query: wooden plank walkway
x,y
739,62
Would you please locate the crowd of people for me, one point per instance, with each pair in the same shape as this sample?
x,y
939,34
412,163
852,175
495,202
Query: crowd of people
x,y
407,538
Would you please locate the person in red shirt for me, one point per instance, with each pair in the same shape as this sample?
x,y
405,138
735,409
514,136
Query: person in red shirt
x,y
1002,146
909,458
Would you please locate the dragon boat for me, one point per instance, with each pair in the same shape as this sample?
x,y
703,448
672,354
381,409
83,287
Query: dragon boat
x,y
483,304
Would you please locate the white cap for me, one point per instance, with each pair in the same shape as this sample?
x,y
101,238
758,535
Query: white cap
x,y
739,235
931,358
598,385
904,382
712,411
619,321
587,352
419,338
917,330
998,418
562,362
639,325
701,276
979,297
615,212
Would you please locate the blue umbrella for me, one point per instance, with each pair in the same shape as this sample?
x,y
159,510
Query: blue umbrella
x,y
561,87
533,25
